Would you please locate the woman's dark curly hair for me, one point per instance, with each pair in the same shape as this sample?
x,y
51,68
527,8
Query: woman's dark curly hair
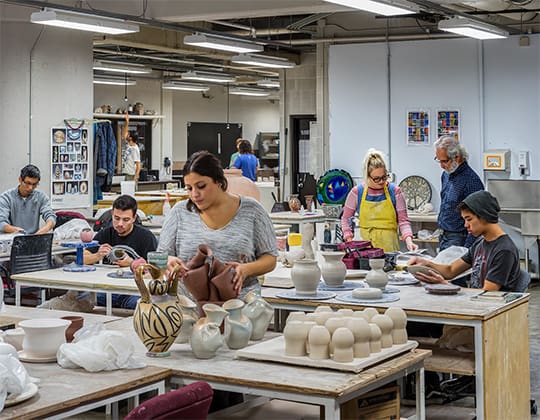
x,y
205,163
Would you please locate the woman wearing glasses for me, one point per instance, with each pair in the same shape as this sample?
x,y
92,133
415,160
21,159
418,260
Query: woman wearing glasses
x,y
380,206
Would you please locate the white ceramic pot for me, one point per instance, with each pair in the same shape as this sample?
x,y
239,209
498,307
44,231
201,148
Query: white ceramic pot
x,y
43,337
333,269
238,327
376,277
305,276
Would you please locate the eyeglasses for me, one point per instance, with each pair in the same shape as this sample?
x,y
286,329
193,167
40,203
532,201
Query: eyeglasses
x,y
442,161
378,179
31,184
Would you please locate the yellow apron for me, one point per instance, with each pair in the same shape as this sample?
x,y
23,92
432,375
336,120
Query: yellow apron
x,y
378,222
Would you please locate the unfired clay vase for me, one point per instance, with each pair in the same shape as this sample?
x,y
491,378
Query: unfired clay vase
x,y
259,312
295,333
376,277
238,327
323,308
342,345
158,317
76,324
362,335
43,337
334,323
294,203
332,269
361,314
399,318
318,343
305,276
345,312
296,316
370,313
385,324
190,315
322,317
375,339
86,235
206,338
238,184
215,313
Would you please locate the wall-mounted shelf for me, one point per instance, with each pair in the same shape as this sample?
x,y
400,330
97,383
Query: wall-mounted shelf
x,y
131,117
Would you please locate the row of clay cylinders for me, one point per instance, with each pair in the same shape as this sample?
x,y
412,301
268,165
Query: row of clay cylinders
x,y
343,335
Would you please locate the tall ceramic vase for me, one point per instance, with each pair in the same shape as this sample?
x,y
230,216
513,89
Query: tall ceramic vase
x,y
259,312
333,269
238,327
376,277
158,317
305,276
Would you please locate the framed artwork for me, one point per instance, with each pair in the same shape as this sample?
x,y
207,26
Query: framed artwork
x,y
448,122
418,127
69,167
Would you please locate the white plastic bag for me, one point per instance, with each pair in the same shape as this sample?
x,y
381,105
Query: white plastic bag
x,y
70,230
15,373
449,255
95,349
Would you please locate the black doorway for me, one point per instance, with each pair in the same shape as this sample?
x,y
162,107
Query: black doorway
x,y
217,138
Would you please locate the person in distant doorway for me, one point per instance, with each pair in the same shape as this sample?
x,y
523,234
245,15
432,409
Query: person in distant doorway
x,y
458,181
21,207
247,161
234,156
123,231
380,206
131,158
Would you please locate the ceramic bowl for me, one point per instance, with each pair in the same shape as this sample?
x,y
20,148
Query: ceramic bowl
x,y
43,336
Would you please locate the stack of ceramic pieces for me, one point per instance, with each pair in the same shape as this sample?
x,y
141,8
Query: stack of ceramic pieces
x,y
343,335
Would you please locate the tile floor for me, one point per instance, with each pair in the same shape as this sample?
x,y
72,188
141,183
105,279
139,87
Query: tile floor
x,y
458,410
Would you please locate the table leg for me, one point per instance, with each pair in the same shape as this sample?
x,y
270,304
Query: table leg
x,y
17,294
420,395
108,302
479,371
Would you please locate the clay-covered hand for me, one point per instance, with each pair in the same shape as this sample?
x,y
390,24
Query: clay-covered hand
x,y
124,262
239,275
104,250
430,277
411,246
173,262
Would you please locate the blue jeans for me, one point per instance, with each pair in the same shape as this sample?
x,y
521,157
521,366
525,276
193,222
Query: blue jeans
x,y
446,240
118,301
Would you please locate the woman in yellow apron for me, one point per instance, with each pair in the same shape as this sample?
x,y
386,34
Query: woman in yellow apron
x,y
381,208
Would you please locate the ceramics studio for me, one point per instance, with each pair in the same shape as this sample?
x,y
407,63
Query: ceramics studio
x,y
315,208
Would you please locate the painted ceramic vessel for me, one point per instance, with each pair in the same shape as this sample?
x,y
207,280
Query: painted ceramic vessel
x,y
305,276
376,277
158,317
333,269
259,312
294,203
238,327
86,235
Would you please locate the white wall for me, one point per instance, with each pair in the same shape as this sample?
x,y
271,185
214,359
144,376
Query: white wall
x,y
494,84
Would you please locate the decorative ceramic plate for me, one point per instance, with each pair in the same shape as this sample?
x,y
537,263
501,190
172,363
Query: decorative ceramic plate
x,y
347,285
24,357
121,274
386,297
416,190
291,294
334,186
442,289
30,390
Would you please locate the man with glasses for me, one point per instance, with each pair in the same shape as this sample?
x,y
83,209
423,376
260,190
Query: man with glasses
x,y
21,207
458,181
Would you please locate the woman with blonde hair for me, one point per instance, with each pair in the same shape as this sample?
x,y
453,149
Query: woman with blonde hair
x,y
380,206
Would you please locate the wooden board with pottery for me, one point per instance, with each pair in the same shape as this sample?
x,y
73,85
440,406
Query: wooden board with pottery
x,y
274,351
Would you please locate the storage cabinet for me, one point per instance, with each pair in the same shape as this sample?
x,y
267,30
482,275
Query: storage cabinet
x,y
268,147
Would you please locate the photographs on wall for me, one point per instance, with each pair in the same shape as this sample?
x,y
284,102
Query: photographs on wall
x,y
69,167
418,127
448,123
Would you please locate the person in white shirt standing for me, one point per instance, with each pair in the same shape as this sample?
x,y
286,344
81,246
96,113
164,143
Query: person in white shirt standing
x,y
131,157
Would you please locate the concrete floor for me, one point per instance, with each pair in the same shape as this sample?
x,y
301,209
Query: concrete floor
x,y
458,410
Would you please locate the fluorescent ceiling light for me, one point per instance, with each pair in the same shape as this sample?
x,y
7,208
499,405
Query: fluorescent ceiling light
x,y
471,28
263,61
224,44
208,77
83,22
381,7
113,81
269,83
192,87
248,91
121,68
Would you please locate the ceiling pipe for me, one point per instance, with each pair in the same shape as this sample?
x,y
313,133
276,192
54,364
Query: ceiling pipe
x,y
374,38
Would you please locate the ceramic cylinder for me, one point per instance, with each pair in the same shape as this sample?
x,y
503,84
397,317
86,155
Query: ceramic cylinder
x,y
296,335
399,318
333,269
305,276
342,345
386,325
362,335
375,339
319,343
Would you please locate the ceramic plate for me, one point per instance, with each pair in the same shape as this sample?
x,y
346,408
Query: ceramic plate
x,y
416,190
122,275
401,279
442,289
291,294
23,357
29,392
347,297
347,285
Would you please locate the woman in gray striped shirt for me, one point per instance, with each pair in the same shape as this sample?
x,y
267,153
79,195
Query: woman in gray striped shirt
x,y
236,228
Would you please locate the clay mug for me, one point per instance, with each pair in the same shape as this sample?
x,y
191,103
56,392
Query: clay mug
x,y
76,324
86,235
14,337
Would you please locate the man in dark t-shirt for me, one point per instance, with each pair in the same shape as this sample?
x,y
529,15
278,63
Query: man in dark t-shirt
x,y
123,231
494,257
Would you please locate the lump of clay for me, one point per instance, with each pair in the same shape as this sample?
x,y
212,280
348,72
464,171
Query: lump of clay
x,y
367,293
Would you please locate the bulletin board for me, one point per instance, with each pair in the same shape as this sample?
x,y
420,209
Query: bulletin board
x,y
69,167
418,127
448,123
